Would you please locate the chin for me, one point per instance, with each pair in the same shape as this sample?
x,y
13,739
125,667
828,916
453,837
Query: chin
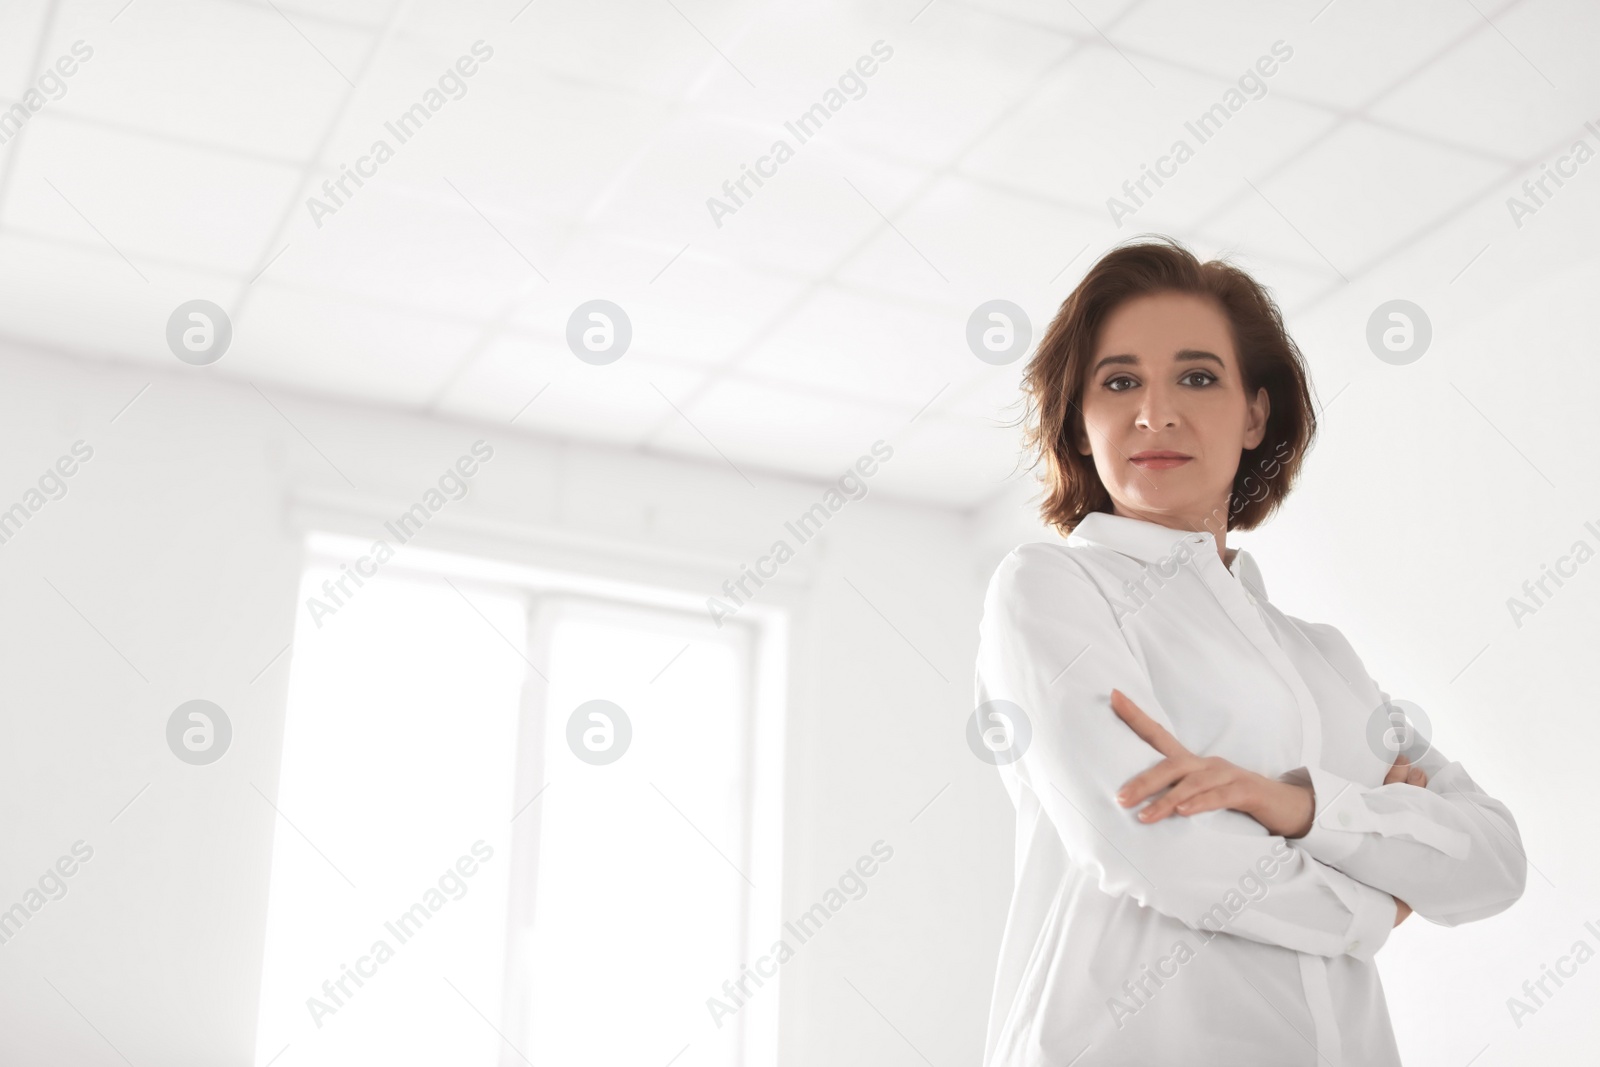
x,y
1159,501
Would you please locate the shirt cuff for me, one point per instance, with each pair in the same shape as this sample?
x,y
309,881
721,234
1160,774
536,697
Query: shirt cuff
x,y
1376,912
1342,817
1337,821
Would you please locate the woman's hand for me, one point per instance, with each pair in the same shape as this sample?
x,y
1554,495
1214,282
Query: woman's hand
x,y
1403,771
1204,783
1401,910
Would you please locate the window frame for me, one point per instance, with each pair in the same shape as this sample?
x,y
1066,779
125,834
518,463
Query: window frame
x,y
541,560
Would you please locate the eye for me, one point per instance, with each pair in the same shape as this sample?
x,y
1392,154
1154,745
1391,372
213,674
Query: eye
x,y
1205,378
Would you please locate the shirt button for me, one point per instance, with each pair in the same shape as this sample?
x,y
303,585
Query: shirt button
x,y
1352,946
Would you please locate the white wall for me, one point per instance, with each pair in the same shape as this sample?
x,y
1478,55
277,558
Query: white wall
x,y
172,542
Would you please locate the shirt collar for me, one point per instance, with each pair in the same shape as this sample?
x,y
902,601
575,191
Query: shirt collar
x,y
1151,542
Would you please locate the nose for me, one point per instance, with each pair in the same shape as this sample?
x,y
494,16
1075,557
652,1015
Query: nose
x,y
1157,411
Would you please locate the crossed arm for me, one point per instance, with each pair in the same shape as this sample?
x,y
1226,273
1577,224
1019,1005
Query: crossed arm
x,y
1051,647
1206,783
1050,651
1428,835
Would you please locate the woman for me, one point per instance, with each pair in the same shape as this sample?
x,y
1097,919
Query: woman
x,y
1215,834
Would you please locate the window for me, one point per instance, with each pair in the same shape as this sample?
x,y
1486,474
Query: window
x,y
451,882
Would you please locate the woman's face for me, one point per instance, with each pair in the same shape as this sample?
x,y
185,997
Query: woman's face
x,y
1165,378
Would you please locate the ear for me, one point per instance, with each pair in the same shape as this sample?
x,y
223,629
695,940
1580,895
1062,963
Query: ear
x,y
1256,418
1080,440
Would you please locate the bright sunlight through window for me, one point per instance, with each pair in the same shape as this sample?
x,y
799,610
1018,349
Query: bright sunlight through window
x,y
452,883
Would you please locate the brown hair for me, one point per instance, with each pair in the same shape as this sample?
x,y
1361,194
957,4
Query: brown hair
x,y
1053,379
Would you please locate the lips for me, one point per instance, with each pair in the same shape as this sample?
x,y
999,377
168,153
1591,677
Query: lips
x,y
1158,459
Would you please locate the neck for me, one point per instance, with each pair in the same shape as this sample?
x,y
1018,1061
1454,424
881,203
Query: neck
x,y
1195,524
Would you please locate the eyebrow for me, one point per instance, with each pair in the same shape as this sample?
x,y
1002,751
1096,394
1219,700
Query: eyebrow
x,y
1185,355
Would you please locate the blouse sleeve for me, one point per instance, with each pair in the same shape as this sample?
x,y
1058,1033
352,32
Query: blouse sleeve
x,y
1450,851
1049,653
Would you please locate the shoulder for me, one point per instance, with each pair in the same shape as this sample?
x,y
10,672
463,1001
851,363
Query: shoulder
x,y
1042,596
1041,571
1037,558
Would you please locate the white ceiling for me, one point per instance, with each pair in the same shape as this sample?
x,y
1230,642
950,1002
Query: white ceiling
x,y
827,312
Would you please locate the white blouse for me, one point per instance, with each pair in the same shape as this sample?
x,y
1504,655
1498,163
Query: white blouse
x,y
1112,952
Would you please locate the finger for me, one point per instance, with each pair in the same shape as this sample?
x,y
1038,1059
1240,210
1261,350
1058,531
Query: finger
x,y
1201,781
1150,731
1417,777
1224,797
1397,770
1152,781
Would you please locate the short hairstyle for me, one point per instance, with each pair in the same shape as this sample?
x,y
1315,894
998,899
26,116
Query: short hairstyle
x,y
1053,380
